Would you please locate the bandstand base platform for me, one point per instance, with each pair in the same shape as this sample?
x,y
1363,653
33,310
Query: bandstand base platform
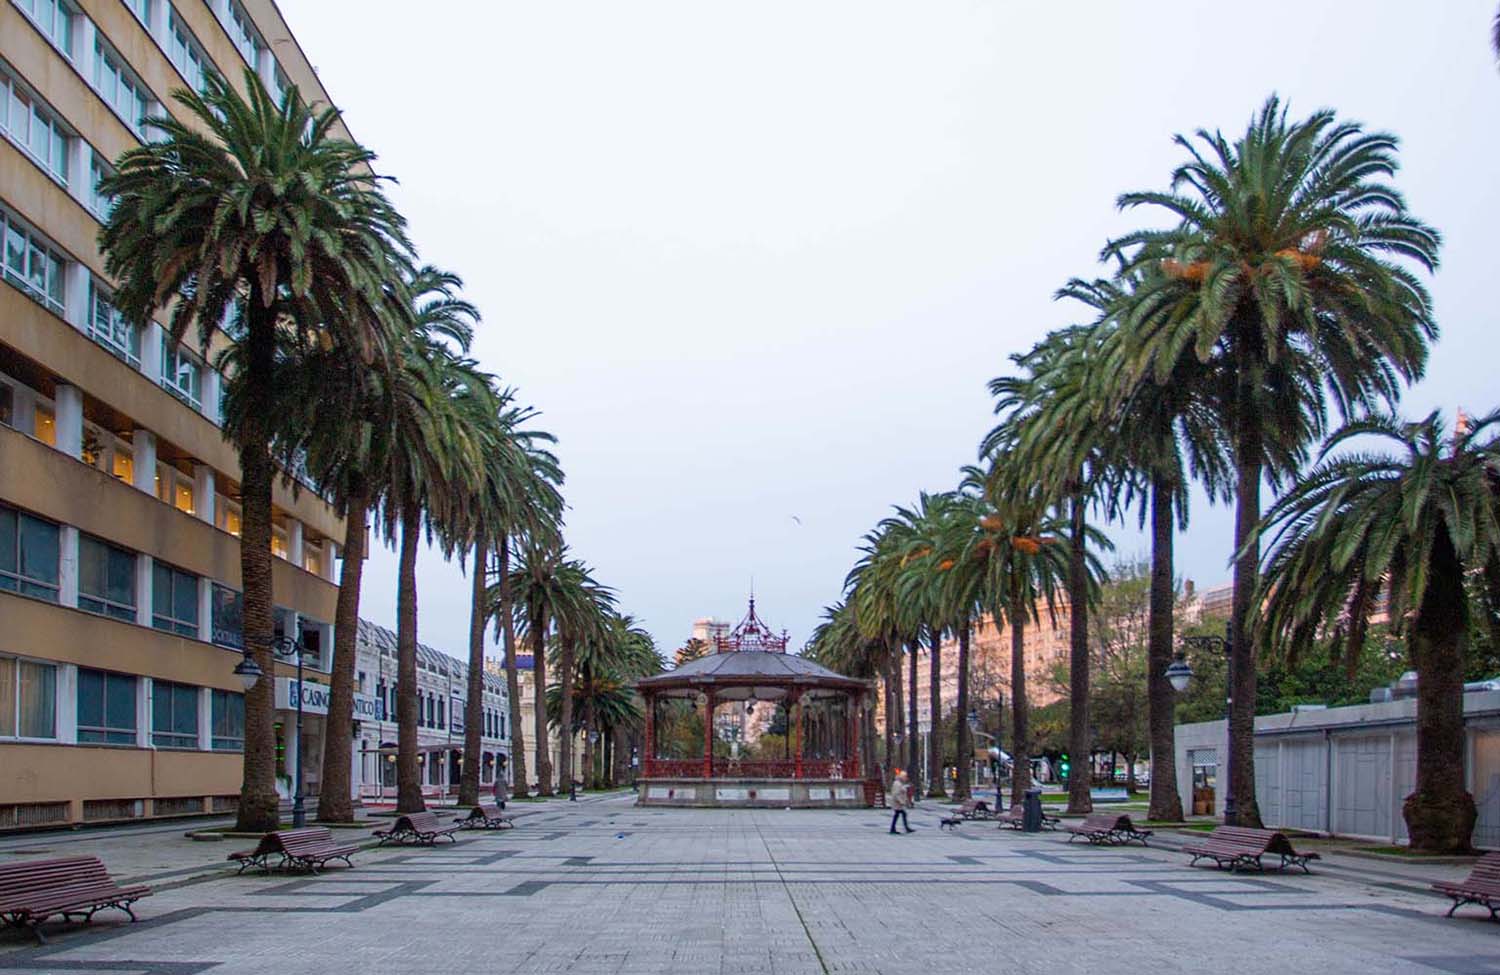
x,y
751,793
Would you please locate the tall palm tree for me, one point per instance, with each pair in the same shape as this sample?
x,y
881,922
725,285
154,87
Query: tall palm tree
x,y
581,609
517,495
1298,259
255,207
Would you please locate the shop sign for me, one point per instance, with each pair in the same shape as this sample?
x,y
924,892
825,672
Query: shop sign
x,y
316,696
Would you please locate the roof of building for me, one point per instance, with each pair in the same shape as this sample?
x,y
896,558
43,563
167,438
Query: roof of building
x,y
741,667
383,641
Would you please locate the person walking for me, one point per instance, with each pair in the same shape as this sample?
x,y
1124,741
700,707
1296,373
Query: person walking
x,y
502,792
900,799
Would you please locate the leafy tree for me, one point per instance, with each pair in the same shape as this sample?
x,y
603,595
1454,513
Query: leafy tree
x,y
693,649
253,213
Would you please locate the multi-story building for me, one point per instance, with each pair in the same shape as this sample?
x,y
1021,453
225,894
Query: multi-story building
x,y
119,514
442,693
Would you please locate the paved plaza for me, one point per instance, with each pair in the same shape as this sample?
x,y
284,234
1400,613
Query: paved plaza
x,y
602,886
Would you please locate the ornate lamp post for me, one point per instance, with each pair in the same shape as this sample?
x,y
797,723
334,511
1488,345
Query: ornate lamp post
x,y
249,673
1180,674
995,763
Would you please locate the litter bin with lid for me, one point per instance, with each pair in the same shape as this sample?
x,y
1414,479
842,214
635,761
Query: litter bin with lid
x,y
1031,811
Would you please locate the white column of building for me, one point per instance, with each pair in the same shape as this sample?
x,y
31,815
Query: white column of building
x,y
210,402
80,180
143,712
144,594
266,67
83,54
151,352
143,447
76,295
203,492
206,610
67,574
67,412
67,704
330,553
294,542
205,719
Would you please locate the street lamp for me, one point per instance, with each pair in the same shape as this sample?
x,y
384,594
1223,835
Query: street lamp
x,y
249,673
1180,674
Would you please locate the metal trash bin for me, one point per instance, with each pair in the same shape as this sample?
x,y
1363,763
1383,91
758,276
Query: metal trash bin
x,y
1031,811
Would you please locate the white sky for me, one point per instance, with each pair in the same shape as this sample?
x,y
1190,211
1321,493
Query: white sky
x,y
758,260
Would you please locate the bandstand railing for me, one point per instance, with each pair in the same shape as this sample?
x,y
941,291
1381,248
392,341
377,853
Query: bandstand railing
x,y
729,768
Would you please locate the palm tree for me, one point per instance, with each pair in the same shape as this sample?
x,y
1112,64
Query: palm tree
x,y
256,208
517,495
1296,255
581,610
1417,523
880,613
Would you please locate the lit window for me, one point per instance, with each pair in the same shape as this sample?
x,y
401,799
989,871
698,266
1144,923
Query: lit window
x,y
106,708
123,465
7,405
32,265
29,555
110,329
174,600
46,426
174,488
278,542
33,128
55,18
228,617
312,559
28,699
227,515
106,579
174,715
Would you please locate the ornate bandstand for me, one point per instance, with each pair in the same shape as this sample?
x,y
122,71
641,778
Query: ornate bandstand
x,y
799,722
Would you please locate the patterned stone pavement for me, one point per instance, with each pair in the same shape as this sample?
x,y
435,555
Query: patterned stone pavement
x,y
601,886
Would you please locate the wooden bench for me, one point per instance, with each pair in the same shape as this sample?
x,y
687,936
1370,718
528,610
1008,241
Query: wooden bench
x,y
310,848
486,815
74,887
1241,846
1015,818
975,809
1103,829
1481,887
421,828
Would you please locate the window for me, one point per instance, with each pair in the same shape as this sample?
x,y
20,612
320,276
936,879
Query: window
x,y
228,617
44,425
100,204
106,708
141,9
279,85
32,265
122,466
228,721
7,405
185,53
28,555
227,515
28,699
174,600
120,89
242,34
106,579
33,128
312,558
175,488
180,375
174,715
55,18
278,542
442,721
109,328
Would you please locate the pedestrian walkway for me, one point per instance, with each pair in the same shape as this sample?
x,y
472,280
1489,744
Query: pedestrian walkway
x,y
602,886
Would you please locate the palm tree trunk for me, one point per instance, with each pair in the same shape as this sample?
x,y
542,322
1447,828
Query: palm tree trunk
x,y
618,750
520,787
897,758
1440,812
468,784
1249,462
1080,800
590,781
935,702
408,775
1020,734
259,805
1161,703
913,737
566,774
964,756
335,805
539,679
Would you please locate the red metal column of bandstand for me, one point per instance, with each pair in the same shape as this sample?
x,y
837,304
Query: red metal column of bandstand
x,y
648,748
797,732
708,735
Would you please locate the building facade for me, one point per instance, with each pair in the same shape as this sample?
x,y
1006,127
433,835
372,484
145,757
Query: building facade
x,y
119,513
442,693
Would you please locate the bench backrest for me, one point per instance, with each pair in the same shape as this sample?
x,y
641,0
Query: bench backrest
x,y
1267,840
292,840
23,879
1487,868
1105,821
422,822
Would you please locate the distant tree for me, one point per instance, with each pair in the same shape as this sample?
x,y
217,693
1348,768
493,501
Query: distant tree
x,y
691,650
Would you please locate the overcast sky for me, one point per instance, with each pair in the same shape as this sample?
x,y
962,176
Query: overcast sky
x,y
755,262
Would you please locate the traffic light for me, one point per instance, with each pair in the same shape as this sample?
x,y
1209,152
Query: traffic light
x,y
1063,765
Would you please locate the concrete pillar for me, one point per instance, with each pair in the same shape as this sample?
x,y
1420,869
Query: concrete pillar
x,y
83,51
294,542
144,594
80,181
67,704
143,712
330,554
266,68
151,337
203,492
68,416
143,446
206,610
205,719
67,569
76,295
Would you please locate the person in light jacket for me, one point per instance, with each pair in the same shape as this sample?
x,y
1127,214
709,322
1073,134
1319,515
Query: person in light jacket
x,y
900,798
